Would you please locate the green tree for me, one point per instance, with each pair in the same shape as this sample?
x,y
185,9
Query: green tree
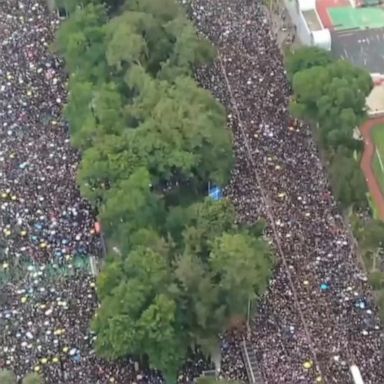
x,y
151,141
332,96
131,205
216,283
376,279
81,41
71,5
197,225
348,181
32,378
243,266
7,377
158,38
305,58
200,311
372,236
137,314
183,129
78,112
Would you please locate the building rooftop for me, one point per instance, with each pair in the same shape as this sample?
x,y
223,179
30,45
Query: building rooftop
x,y
312,20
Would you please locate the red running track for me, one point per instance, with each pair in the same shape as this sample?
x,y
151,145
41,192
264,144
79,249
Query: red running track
x,y
322,7
366,164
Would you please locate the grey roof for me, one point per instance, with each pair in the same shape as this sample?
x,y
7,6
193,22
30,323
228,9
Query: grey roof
x,y
364,48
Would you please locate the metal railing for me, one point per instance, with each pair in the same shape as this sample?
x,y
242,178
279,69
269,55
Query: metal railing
x,y
247,362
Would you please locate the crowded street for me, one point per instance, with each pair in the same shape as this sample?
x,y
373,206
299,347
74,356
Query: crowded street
x,y
317,317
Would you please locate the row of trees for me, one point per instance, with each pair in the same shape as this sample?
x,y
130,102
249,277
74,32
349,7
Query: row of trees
x,y
151,141
331,95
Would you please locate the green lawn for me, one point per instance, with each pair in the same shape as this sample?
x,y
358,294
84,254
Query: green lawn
x,y
378,138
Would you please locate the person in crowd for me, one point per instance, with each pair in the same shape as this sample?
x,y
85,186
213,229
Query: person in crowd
x,y
318,315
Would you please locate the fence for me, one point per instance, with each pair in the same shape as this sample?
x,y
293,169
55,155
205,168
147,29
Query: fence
x,y
252,364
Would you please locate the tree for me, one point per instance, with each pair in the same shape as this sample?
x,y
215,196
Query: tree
x,y
371,240
216,275
183,129
158,38
81,40
348,181
32,378
7,377
131,205
137,314
188,51
305,58
71,5
126,45
376,279
199,306
197,225
332,96
151,141
243,265
179,294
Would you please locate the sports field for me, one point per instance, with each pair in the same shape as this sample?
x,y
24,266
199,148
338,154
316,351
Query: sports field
x,y
356,18
377,133
372,161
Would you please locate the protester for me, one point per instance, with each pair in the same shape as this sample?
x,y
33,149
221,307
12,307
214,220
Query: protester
x,y
318,316
47,230
46,227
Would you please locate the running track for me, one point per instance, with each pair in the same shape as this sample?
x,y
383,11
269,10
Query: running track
x,y
366,164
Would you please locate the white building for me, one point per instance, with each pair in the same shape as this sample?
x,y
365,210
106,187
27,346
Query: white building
x,y
310,30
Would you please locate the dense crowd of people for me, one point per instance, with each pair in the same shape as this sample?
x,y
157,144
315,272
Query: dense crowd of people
x,y
47,231
318,317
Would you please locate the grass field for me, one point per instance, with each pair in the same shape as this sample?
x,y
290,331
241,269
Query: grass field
x,y
378,160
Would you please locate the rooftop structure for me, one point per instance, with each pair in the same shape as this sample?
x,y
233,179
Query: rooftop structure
x,y
312,20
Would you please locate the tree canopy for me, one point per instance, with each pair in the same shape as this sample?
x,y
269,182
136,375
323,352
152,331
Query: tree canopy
x,y
180,294
328,92
331,95
7,377
347,181
305,58
151,141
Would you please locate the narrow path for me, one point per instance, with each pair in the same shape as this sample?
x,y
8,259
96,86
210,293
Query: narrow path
x,y
366,164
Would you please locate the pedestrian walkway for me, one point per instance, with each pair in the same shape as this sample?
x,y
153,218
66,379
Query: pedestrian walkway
x,y
366,164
